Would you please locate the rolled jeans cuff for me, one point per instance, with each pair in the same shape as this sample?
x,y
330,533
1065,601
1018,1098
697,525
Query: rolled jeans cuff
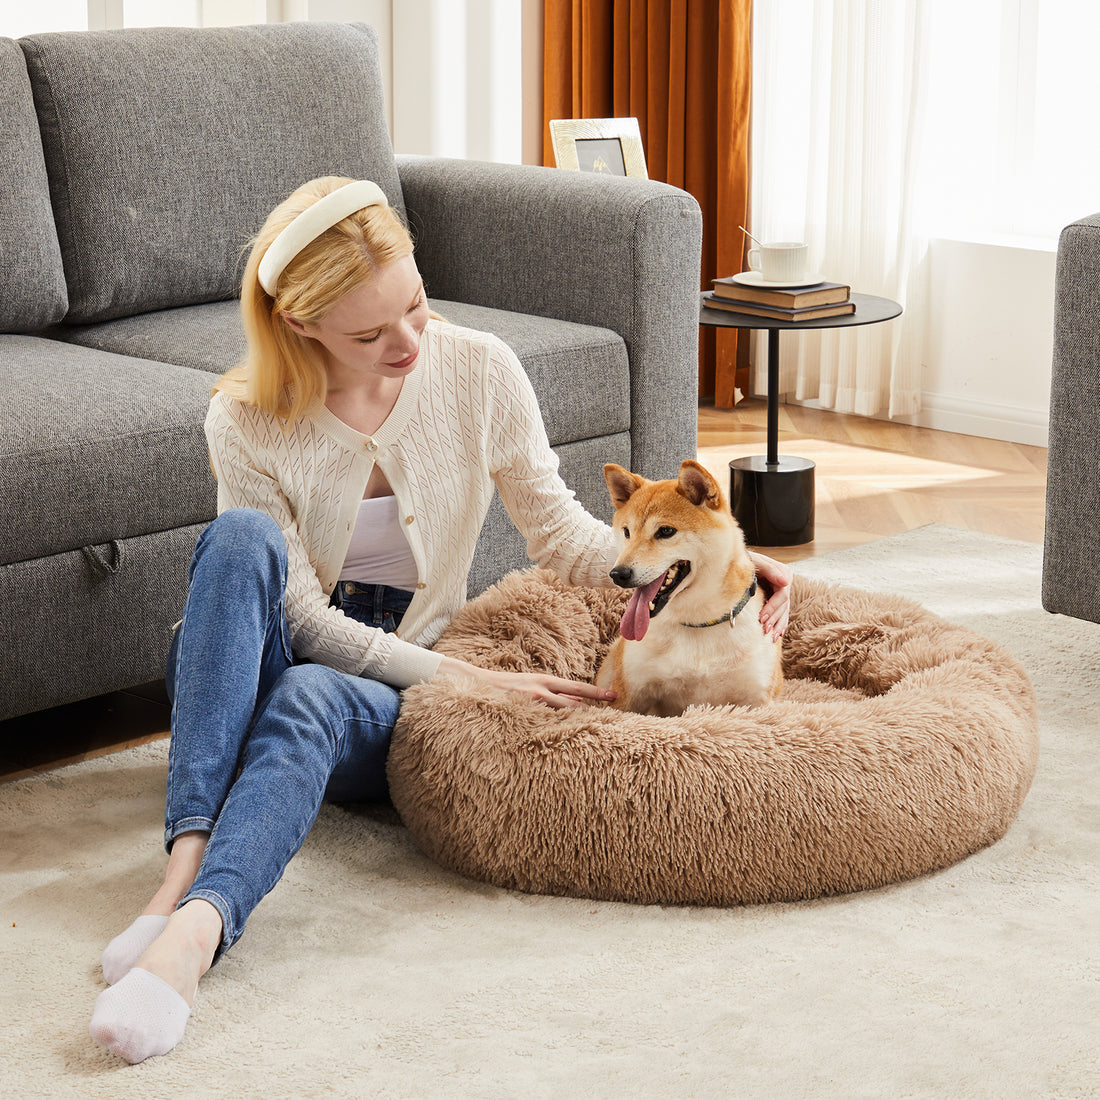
x,y
230,935
187,825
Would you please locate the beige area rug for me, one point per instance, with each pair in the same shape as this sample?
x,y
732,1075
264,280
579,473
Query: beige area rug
x,y
371,972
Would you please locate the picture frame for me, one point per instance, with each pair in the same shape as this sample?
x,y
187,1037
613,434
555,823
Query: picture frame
x,y
607,146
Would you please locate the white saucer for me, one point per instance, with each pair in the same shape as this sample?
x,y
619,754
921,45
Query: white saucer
x,y
754,278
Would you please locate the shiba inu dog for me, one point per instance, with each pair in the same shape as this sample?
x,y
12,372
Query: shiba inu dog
x,y
691,631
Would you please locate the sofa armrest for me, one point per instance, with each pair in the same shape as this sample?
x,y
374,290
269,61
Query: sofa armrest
x,y
623,254
1071,563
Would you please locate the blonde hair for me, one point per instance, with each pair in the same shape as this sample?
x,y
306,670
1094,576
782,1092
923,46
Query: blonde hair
x,y
282,372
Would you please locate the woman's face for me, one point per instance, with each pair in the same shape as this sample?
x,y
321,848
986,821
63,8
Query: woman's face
x,y
374,329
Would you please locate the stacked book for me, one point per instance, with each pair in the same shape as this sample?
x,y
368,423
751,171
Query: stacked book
x,y
739,294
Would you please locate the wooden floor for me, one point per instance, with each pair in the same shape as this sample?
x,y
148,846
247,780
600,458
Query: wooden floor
x,y
873,478
877,478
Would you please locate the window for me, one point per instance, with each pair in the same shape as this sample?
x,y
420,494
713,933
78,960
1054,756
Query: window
x,y
1011,149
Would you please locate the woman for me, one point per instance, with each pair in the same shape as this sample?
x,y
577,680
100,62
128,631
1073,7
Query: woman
x,y
356,451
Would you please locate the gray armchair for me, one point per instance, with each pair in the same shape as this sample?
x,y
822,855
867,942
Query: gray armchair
x,y
1071,562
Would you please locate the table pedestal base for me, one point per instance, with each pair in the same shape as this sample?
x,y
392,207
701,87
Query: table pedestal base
x,y
773,502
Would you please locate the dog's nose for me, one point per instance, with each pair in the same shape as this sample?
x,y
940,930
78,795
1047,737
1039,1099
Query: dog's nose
x,y
623,576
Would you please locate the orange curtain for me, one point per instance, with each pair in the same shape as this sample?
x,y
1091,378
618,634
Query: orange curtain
x,y
683,69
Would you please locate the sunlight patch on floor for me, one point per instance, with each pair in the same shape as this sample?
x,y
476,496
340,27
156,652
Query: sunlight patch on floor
x,y
879,471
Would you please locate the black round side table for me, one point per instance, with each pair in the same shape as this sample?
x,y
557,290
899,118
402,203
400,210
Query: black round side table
x,y
772,495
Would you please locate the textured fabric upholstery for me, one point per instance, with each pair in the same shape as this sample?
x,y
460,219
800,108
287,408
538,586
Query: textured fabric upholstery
x,y
206,337
32,281
1071,565
619,253
580,373
105,446
90,621
167,148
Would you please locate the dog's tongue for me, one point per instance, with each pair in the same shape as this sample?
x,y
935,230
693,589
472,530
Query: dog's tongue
x,y
636,616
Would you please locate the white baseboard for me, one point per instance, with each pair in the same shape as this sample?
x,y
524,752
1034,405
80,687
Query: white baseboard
x,y
986,419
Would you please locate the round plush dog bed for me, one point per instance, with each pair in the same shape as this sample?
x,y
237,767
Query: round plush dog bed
x,y
901,744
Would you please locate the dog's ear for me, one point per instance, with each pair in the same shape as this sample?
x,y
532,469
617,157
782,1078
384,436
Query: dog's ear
x,y
621,484
697,484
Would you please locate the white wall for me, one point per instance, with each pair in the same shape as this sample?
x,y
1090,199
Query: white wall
x,y
989,341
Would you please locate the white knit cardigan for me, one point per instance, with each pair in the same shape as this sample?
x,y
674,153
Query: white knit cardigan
x,y
466,419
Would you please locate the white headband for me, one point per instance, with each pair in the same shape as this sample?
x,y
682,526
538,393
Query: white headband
x,y
312,222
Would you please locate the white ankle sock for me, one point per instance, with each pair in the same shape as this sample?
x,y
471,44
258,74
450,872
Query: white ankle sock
x,y
123,952
139,1017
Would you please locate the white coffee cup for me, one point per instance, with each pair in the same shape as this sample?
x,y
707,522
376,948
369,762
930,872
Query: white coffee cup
x,y
780,262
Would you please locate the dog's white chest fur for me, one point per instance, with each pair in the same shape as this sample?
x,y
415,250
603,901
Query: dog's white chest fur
x,y
719,665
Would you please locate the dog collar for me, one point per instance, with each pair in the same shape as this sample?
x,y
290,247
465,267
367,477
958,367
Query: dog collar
x,y
732,614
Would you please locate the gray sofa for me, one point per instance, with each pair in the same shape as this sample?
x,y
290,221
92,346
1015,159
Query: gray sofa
x,y
137,166
1071,560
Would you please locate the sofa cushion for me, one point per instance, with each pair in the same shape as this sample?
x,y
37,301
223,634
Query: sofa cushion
x,y
580,373
152,213
32,280
105,447
207,337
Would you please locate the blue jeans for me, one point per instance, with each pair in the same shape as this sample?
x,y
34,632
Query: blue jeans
x,y
259,739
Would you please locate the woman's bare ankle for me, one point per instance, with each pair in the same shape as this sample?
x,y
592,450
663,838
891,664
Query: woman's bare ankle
x,y
164,901
183,867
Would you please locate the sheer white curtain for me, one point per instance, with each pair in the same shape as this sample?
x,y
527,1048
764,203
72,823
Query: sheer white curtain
x,y
458,78
839,93
1010,139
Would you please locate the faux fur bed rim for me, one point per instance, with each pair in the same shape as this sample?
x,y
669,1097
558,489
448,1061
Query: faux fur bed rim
x,y
902,744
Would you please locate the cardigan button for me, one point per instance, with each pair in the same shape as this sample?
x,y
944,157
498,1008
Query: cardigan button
x,y
408,520
371,445
421,584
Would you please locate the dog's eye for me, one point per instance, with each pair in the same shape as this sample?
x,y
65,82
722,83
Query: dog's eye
x,y
626,532
665,532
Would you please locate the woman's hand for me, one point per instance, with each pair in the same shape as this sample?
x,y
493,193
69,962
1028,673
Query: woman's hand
x,y
553,691
775,578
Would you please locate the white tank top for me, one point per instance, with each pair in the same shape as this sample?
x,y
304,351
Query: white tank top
x,y
379,553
